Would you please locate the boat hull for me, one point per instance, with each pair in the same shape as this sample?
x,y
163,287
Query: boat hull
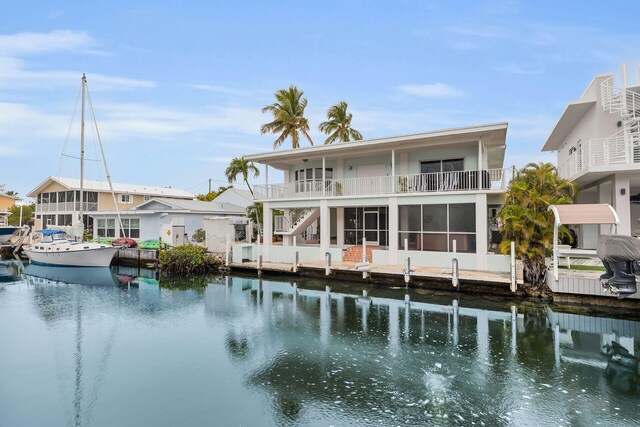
x,y
98,257
6,233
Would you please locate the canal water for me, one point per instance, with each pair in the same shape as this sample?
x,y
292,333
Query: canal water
x,y
104,348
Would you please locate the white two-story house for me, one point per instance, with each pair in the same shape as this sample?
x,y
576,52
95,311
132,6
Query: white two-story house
x,y
414,195
597,140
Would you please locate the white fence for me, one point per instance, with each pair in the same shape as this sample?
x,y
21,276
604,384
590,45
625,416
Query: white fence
x,y
218,230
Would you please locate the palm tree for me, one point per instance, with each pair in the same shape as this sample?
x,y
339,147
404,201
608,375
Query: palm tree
x,y
240,165
288,117
525,218
338,125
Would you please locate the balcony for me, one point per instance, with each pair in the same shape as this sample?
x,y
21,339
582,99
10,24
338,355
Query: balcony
x,y
66,207
437,182
618,152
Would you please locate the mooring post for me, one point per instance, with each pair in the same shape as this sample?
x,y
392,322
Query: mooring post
x,y
227,250
364,250
296,260
327,263
407,270
455,280
514,282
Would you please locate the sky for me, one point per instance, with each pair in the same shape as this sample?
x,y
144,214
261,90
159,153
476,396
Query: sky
x,y
177,87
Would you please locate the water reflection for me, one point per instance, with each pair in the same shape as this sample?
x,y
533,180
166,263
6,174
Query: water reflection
x,y
382,360
242,349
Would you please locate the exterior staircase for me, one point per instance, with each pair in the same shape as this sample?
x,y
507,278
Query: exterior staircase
x,y
354,253
286,227
623,99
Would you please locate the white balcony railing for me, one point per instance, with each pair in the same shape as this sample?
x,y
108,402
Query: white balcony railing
x,y
66,207
618,149
490,179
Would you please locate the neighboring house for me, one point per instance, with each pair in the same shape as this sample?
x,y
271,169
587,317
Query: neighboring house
x,y
58,199
429,189
6,201
174,220
235,196
597,140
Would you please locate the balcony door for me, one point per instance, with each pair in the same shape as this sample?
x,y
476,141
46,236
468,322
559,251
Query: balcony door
x,y
370,179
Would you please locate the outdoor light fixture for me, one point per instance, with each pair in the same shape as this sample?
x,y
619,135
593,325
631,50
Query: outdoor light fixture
x,y
623,191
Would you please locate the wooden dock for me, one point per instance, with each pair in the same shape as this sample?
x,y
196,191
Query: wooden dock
x,y
135,257
393,275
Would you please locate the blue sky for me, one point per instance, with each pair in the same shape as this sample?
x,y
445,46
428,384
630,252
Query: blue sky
x,y
178,88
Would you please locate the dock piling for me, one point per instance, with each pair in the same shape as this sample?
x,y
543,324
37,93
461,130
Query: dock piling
x,y
514,282
455,274
296,261
327,263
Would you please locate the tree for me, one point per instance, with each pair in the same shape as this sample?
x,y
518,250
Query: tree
x,y
27,214
338,125
241,166
288,117
12,193
525,219
255,214
213,194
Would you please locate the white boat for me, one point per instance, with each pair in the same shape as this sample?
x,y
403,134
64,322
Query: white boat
x,y
6,230
58,248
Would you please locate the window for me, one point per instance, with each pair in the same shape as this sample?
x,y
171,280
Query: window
x,y
368,222
435,227
147,198
310,179
131,227
125,198
65,219
106,227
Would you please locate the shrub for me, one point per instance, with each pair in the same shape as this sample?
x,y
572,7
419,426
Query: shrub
x,y
187,259
199,236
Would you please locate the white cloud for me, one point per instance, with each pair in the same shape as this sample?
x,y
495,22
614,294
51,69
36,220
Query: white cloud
x,y
433,90
522,70
33,43
14,75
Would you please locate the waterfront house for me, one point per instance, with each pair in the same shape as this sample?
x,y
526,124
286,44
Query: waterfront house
x,y
597,141
437,192
6,201
58,199
175,220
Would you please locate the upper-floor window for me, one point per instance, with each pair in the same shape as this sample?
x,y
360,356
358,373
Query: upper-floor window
x,y
310,179
125,198
435,166
147,198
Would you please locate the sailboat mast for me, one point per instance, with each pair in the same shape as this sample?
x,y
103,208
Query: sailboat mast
x,y
84,82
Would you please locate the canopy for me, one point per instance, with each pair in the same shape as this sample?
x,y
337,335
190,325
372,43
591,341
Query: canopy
x,y
50,232
597,213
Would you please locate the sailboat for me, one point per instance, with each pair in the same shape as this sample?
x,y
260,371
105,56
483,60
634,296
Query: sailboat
x,y
55,246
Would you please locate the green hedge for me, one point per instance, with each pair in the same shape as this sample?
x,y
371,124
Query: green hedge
x,y
187,259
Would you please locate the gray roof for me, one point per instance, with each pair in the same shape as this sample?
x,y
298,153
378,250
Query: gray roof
x,y
196,205
103,186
